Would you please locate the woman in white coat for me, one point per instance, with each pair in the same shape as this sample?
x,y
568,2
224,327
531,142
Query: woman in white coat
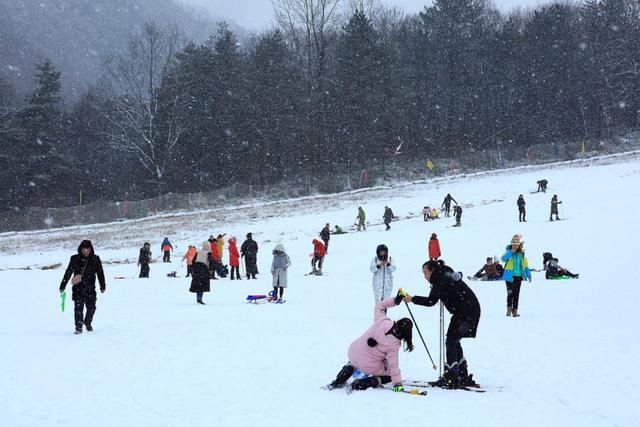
x,y
382,268
281,262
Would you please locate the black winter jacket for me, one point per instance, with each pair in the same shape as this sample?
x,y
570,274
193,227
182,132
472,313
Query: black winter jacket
x,y
457,297
249,248
89,267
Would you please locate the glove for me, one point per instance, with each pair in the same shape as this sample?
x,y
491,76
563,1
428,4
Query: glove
x,y
400,296
371,342
398,388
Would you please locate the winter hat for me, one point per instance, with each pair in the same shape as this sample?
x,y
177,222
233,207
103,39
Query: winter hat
x,y
516,239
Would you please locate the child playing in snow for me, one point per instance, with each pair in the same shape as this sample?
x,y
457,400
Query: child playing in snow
x,y
318,257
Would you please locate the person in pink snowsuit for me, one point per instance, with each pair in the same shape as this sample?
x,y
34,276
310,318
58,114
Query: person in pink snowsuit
x,y
375,352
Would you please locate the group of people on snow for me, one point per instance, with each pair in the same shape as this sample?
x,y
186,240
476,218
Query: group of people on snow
x,y
542,187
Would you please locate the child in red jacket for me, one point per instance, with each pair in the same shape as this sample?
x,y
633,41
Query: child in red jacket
x,y
434,247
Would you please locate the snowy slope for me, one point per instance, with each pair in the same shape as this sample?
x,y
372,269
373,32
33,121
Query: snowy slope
x,y
157,358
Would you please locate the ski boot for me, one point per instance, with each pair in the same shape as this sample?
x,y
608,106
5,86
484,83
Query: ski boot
x,y
365,383
342,377
450,378
466,380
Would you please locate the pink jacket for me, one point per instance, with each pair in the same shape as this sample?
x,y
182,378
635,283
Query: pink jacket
x,y
383,358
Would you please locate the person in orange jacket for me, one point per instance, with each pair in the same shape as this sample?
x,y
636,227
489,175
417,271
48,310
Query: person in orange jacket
x,y
434,247
234,258
191,252
318,257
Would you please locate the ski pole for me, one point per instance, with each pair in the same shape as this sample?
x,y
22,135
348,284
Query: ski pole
x,y
63,296
420,333
441,356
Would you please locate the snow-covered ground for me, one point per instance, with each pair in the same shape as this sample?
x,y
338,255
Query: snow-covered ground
x,y
157,358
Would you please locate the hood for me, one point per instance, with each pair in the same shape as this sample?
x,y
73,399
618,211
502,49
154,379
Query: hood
x,y
85,244
280,248
206,246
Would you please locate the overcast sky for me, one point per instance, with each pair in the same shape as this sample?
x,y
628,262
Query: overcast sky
x,y
258,14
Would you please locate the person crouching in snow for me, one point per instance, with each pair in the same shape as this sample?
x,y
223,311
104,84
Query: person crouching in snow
x,y
318,257
489,271
200,280
375,352
461,302
281,262
434,247
382,269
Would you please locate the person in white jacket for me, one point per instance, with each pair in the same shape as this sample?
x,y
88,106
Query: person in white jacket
x,y
382,268
281,262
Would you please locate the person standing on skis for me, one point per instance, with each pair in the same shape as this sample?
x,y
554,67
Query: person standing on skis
x,y
382,268
447,204
461,302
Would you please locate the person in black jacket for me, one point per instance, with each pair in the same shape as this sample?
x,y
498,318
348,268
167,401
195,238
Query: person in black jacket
x,y
144,259
447,204
249,251
325,235
200,279
387,217
522,212
461,302
84,267
457,211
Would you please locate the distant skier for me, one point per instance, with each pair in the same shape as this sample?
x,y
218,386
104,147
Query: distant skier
x,y
318,257
188,256
434,247
516,268
234,258
457,211
375,352
542,185
200,280
249,250
461,302
522,212
382,268
554,207
166,247
281,262
387,217
447,204
325,235
82,270
361,218
490,271
144,259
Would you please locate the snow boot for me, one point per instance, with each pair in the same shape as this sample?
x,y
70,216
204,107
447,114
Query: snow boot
x,y
78,330
89,328
365,383
200,302
514,312
509,310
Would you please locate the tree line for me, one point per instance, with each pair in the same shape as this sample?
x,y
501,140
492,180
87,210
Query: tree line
x,y
323,93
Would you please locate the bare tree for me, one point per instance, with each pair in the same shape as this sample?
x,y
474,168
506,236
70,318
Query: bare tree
x,y
150,115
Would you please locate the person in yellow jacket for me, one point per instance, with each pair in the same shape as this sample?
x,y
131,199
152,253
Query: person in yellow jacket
x,y
220,243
